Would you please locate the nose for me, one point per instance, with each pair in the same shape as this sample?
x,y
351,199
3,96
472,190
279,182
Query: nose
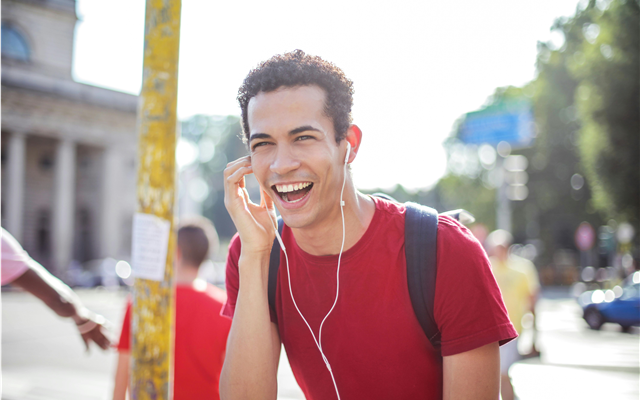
x,y
285,161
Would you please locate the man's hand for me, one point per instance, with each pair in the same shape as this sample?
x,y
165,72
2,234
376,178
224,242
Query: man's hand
x,y
256,224
64,302
93,329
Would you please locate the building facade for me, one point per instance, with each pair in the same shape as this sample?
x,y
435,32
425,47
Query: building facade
x,y
68,149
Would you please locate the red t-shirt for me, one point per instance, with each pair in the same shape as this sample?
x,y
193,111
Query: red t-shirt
x,y
372,339
201,338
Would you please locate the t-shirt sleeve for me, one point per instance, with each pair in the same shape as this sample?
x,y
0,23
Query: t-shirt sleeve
x,y
232,277
15,261
469,309
125,335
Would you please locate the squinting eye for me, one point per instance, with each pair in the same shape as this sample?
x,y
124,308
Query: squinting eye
x,y
259,144
304,137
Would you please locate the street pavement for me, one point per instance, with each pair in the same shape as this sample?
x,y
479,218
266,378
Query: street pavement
x,y
577,362
43,357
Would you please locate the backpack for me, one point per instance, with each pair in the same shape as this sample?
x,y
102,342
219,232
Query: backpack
x,y
420,241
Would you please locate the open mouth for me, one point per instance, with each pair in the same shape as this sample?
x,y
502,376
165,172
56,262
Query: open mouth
x,y
293,193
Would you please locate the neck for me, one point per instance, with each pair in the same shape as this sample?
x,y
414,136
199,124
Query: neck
x,y
326,238
186,274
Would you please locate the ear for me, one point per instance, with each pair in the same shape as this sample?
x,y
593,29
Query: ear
x,y
354,137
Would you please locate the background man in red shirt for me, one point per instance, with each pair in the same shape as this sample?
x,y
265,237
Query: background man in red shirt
x,y
342,306
200,331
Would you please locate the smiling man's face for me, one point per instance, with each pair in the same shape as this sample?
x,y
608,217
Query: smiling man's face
x,y
294,154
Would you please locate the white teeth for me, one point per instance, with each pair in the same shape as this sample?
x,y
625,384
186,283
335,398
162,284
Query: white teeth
x,y
292,188
294,201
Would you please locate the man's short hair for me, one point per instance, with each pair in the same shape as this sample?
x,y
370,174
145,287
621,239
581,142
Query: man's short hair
x,y
299,69
197,238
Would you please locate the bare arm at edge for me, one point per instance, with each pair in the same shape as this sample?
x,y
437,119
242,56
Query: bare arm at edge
x,y
63,301
122,376
474,374
253,347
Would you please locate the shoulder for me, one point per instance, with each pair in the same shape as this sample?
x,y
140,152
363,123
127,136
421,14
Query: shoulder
x,y
388,207
453,236
389,214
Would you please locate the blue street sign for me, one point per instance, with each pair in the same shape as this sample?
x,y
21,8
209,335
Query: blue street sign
x,y
511,122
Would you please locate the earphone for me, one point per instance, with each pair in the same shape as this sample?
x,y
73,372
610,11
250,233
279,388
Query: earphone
x,y
346,157
318,341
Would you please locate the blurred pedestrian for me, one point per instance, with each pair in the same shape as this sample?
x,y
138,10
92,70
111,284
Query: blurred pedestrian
x,y
518,281
20,270
200,331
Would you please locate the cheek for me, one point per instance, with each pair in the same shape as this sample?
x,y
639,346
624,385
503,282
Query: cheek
x,y
260,168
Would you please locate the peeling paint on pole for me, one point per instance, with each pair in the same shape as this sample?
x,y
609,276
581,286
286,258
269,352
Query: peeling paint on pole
x,y
153,304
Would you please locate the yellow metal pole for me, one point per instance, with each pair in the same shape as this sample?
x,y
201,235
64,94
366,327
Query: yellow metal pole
x,y
153,304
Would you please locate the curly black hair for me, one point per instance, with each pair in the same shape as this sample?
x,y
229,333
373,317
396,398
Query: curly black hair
x,y
299,69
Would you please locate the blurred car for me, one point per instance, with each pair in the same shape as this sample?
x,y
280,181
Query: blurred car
x,y
620,305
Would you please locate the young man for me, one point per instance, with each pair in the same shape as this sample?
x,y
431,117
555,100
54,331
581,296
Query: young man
x,y
296,112
201,332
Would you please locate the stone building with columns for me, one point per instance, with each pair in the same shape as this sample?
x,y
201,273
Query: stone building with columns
x,y
68,149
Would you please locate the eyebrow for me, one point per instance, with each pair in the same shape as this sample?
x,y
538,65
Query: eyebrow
x,y
292,132
303,129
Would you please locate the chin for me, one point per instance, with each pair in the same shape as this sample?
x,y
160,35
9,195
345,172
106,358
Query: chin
x,y
292,220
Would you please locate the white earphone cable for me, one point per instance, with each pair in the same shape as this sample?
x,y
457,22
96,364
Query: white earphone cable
x,y
318,341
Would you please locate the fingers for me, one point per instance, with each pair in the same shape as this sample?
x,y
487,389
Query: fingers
x,y
101,340
98,337
236,170
233,166
234,177
237,178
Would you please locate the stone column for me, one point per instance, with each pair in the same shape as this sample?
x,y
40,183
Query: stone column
x,y
15,189
64,205
110,214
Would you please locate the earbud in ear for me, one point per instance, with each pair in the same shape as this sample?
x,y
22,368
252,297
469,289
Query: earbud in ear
x,y
346,158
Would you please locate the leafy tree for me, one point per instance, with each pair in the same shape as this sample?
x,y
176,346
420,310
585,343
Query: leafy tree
x,y
221,133
584,164
455,191
605,61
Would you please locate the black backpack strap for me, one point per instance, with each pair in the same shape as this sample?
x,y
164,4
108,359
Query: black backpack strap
x,y
274,265
420,240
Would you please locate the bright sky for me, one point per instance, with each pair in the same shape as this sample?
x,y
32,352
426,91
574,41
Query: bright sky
x,y
416,65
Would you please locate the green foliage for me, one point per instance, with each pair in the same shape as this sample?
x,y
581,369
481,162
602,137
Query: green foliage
x,y
470,194
608,103
222,133
585,101
450,193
